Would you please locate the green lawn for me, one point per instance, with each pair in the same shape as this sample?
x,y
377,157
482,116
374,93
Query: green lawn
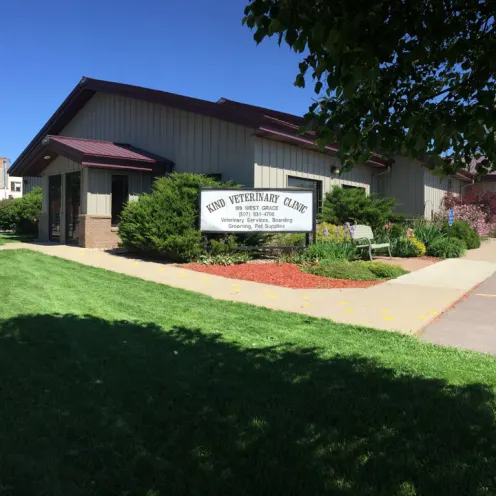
x,y
14,238
110,385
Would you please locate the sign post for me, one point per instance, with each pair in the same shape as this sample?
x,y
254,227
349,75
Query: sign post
x,y
451,217
257,210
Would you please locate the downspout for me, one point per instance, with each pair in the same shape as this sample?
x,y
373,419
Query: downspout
x,y
5,175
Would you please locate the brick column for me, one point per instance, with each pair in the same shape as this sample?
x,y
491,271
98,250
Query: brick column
x,y
97,232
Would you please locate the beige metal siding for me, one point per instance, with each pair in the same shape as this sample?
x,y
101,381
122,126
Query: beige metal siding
x,y
99,192
275,161
194,142
61,165
99,187
405,183
435,189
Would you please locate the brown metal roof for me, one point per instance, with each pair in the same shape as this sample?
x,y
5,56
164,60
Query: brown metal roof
x,y
94,153
107,149
226,110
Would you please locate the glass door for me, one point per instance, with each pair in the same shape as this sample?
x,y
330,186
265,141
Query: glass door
x,y
54,192
73,203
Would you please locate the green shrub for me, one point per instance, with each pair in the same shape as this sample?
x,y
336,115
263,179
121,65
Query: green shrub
x,y
326,251
447,248
287,239
353,205
164,222
427,232
7,215
408,247
385,271
461,229
397,231
355,271
401,219
21,215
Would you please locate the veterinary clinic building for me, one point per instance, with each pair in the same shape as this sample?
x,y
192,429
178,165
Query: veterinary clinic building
x,y
107,142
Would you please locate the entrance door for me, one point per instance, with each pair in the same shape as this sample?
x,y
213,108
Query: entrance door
x,y
73,202
54,192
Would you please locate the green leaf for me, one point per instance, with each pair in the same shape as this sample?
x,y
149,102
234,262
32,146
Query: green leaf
x,y
274,27
291,37
332,39
299,81
318,32
318,87
259,35
249,21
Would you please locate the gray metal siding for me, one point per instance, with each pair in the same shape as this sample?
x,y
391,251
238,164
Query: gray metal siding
x,y
194,142
405,183
29,183
275,161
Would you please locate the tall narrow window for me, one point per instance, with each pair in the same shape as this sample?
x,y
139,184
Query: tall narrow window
x,y
299,182
120,195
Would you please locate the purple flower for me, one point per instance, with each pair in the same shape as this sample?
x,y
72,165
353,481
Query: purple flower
x,y
326,232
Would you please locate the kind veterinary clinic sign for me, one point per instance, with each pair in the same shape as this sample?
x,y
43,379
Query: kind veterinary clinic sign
x,y
257,210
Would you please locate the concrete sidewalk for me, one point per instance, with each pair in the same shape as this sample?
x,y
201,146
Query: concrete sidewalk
x,y
471,324
406,304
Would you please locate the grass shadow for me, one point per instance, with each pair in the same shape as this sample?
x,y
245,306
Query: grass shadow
x,y
8,237
93,407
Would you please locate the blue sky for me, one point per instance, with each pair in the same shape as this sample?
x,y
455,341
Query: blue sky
x,y
193,47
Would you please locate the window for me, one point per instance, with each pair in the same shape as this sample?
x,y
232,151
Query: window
x,y
120,195
15,186
299,182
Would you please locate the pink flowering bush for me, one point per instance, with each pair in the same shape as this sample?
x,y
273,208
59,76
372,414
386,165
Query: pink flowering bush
x,y
485,200
473,215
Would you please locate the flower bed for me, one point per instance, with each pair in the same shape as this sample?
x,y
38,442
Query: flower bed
x,y
278,274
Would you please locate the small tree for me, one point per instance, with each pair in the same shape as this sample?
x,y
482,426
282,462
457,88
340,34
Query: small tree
x,y
28,211
354,205
21,215
7,215
164,223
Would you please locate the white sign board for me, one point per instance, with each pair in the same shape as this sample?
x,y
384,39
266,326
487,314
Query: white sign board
x,y
256,210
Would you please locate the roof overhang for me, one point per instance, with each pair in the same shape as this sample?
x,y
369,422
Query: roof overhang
x,y
305,141
124,156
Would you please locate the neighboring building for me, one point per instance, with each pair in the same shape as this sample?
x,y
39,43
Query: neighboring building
x,y
14,187
486,183
107,142
417,190
10,186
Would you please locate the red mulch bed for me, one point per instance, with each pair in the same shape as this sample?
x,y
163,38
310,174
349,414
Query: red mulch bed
x,y
278,274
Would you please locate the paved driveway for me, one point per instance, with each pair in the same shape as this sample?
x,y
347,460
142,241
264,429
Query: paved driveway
x,y
471,324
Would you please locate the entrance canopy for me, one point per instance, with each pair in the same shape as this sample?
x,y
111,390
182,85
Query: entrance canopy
x,y
100,154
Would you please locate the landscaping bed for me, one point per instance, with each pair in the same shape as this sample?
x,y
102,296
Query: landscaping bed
x,y
280,274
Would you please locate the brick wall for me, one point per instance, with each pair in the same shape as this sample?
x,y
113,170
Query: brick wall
x,y
96,232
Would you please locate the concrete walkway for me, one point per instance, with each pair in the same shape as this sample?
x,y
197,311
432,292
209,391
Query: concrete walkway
x,y
471,324
405,304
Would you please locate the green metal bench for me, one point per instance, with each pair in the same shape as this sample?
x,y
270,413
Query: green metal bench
x,y
364,233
